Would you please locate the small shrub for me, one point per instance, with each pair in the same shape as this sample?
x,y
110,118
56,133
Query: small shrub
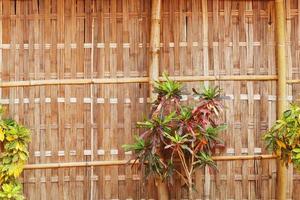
x,y
283,138
177,133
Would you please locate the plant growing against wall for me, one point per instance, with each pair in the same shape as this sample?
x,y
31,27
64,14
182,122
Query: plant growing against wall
x,y
14,139
283,138
177,139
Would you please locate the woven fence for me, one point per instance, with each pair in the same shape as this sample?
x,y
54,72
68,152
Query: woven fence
x,y
76,73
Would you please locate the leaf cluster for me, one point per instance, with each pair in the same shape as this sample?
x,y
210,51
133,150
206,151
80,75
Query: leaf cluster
x,y
283,138
14,139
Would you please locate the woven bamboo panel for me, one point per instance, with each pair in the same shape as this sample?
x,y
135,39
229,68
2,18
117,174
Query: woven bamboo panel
x,y
89,40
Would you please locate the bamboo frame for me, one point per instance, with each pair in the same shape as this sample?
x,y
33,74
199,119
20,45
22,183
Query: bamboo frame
x,y
124,162
134,79
281,187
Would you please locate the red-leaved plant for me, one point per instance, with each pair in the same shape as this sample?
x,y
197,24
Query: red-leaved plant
x,y
179,134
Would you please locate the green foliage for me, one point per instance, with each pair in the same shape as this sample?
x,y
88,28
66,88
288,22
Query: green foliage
x,y
283,138
11,191
168,88
203,158
208,93
14,139
178,134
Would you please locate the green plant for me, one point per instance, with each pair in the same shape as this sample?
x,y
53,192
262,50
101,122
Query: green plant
x,y
283,138
175,133
14,139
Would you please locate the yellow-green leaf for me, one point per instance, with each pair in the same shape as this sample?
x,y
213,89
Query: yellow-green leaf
x,y
1,135
281,144
11,137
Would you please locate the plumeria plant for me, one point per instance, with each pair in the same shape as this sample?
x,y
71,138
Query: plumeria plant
x,y
283,138
14,139
177,139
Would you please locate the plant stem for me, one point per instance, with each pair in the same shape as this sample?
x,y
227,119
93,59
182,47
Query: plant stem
x,y
162,189
189,173
190,185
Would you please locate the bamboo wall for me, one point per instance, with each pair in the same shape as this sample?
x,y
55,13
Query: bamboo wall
x,y
96,55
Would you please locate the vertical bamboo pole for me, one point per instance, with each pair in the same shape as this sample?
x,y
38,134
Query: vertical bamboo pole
x,y
162,188
281,89
154,44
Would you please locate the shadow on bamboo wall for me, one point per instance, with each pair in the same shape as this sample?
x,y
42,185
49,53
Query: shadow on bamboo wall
x,y
85,46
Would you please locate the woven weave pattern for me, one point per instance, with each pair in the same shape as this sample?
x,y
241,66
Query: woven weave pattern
x,y
76,73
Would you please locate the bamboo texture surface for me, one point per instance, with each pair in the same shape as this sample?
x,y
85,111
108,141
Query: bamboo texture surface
x,y
76,73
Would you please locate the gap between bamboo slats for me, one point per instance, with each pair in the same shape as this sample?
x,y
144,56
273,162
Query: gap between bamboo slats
x,y
138,80
124,162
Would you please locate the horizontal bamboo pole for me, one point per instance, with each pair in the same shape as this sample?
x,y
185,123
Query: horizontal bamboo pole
x,y
243,157
73,81
224,78
124,162
294,81
134,80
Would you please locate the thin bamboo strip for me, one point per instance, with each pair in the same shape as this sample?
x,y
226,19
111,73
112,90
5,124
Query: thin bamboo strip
x,y
139,80
92,111
124,162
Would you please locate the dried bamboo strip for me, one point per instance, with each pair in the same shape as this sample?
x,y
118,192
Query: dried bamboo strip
x,y
126,45
92,111
124,162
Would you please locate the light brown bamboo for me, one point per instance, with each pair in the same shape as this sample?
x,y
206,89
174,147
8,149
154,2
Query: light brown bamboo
x,y
234,13
294,81
92,110
281,90
162,188
154,44
224,78
73,81
124,162
139,80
